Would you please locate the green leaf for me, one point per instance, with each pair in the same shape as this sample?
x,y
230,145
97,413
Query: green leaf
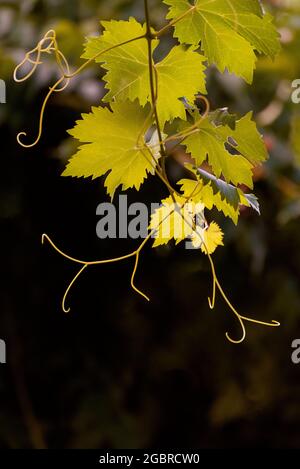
x,y
213,143
248,140
127,74
229,31
111,142
179,74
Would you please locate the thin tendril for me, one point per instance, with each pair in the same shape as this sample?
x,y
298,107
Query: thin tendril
x,y
85,264
212,299
211,302
217,284
78,261
40,131
64,68
39,49
133,277
63,304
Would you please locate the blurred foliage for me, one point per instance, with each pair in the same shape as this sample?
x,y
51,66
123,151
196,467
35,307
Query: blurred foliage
x,y
117,372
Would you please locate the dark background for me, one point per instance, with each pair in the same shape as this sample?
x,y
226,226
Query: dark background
x,y
118,372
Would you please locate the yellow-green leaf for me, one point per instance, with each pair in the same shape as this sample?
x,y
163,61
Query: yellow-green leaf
x,y
127,74
229,31
208,239
180,74
112,142
174,219
247,140
217,143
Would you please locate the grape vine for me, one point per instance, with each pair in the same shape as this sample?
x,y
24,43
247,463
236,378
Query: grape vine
x,y
143,95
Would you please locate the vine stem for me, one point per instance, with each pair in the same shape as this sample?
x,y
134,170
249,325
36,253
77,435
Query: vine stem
x,y
153,91
182,136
